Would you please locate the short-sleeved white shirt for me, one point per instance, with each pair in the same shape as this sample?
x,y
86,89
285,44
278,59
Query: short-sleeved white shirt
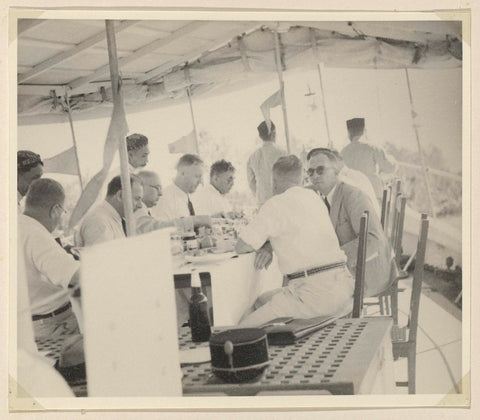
x,y
102,224
299,229
48,268
172,205
207,200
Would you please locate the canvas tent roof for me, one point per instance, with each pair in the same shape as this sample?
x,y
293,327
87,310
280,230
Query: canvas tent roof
x,y
159,58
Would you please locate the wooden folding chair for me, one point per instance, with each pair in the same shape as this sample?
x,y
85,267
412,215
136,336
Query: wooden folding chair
x,y
360,268
403,346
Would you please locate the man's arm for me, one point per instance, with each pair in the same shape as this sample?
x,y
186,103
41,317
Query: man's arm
x,y
264,256
386,163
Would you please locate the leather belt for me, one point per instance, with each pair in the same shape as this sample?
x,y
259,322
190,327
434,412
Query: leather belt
x,y
54,313
315,270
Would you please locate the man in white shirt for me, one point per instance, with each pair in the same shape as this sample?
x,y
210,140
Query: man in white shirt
x,y
106,221
152,191
175,201
211,199
138,151
367,158
260,163
346,205
29,169
295,221
49,270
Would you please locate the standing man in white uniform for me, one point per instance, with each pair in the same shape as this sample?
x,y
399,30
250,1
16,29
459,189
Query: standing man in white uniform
x,y
260,163
367,158
296,223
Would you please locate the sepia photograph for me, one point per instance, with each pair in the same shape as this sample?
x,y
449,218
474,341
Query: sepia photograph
x,y
259,204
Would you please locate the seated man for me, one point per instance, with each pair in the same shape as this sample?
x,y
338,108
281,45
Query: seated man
x,y
106,221
210,199
346,205
351,176
152,191
49,270
295,221
175,202
29,168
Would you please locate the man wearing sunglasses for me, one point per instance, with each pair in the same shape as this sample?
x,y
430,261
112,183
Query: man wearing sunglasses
x,y
48,269
346,204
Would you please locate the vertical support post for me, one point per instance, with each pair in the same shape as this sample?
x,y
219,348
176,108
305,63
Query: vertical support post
x,y
282,87
122,145
322,90
70,120
420,151
189,94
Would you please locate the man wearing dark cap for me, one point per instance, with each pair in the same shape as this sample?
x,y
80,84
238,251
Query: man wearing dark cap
x,y
29,168
367,158
137,148
260,163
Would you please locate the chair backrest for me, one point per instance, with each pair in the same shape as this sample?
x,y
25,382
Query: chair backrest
x,y
383,217
398,237
360,268
418,278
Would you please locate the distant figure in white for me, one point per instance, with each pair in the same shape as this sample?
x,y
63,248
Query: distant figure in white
x,y
211,199
367,158
296,223
260,163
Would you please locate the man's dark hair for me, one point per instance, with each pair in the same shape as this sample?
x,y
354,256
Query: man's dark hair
x,y
332,154
220,167
115,185
44,193
27,160
189,160
136,141
263,131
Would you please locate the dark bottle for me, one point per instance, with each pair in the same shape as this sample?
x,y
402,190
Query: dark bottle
x,y
198,309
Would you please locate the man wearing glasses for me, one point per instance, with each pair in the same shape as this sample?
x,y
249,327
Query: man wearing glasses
x,y
346,204
48,269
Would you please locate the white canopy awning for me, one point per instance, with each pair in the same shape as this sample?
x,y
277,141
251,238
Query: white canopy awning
x,y
159,58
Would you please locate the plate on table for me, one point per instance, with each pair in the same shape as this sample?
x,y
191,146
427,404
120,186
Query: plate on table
x,y
208,258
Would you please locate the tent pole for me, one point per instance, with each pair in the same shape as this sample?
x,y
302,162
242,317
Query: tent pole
x,y
420,151
69,113
193,119
282,87
322,90
122,145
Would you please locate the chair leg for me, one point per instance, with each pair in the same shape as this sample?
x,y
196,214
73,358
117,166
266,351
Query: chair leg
x,y
395,303
380,303
387,305
412,358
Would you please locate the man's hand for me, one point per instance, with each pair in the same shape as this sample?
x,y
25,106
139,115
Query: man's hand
x,y
264,256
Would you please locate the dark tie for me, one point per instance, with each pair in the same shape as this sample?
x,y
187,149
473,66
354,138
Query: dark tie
x,y
190,207
124,226
327,203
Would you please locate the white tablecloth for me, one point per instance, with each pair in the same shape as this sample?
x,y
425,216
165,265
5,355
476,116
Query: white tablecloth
x,y
235,285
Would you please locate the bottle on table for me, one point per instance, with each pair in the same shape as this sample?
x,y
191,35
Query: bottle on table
x,y
198,310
